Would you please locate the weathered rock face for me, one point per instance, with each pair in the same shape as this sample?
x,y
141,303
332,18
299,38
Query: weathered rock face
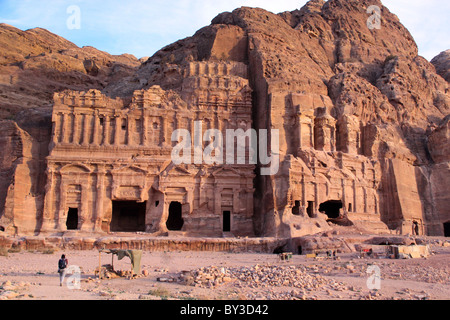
x,y
442,64
36,63
361,119
33,65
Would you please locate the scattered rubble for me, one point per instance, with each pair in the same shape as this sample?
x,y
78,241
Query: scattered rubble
x,y
259,276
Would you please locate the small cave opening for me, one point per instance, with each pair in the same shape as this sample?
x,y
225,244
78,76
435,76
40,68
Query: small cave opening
x,y
331,208
296,208
447,229
310,209
128,216
175,220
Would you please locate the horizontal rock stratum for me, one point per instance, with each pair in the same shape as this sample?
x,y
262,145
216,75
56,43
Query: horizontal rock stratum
x,y
362,122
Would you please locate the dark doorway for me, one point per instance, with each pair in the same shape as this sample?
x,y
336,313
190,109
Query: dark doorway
x,y
415,227
175,221
226,221
296,209
447,229
331,208
310,209
72,219
128,216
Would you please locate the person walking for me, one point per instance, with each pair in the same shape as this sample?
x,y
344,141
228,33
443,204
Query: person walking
x,y
62,266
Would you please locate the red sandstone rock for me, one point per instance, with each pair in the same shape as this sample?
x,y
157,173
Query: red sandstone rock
x,y
363,138
442,64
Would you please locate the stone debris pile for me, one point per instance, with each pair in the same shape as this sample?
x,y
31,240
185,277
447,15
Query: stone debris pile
x,y
10,290
259,276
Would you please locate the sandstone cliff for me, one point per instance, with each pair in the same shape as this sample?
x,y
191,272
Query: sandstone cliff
x,y
324,58
374,111
34,64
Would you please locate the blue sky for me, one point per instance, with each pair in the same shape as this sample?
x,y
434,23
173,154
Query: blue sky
x,y
142,27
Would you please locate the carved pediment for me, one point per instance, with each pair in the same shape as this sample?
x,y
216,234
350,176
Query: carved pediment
x,y
132,170
176,170
226,172
75,168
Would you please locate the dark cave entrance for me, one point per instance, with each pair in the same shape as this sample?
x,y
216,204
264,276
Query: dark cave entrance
x,y
310,209
331,208
72,219
226,221
175,221
128,216
447,229
415,228
296,208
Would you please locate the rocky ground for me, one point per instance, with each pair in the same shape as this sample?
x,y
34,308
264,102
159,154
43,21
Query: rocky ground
x,y
29,275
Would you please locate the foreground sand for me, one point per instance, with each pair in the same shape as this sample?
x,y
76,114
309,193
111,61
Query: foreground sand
x,y
32,275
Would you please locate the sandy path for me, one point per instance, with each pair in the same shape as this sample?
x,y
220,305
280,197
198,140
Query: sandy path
x,y
33,276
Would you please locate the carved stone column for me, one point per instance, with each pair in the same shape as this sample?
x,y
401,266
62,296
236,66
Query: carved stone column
x,y
62,214
47,223
218,200
55,132
144,133
96,139
85,132
130,131
106,131
76,133
64,129
117,130
101,174
83,218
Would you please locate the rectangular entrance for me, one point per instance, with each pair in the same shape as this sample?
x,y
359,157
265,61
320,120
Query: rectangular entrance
x,y
128,216
447,229
226,221
72,219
